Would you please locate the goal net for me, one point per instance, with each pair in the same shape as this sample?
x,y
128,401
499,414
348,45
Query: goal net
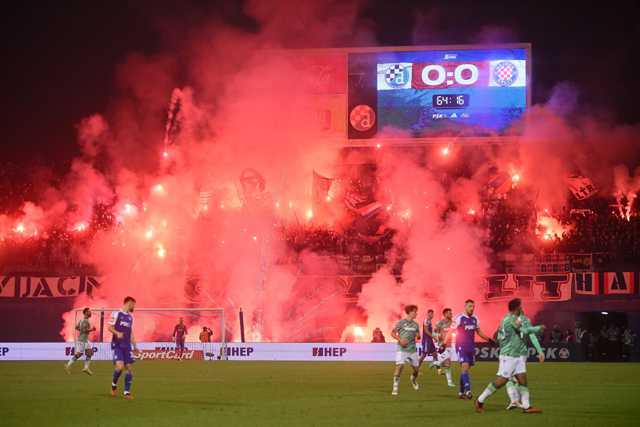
x,y
157,335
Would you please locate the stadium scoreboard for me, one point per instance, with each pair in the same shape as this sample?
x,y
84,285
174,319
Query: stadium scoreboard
x,y
415,94
432,92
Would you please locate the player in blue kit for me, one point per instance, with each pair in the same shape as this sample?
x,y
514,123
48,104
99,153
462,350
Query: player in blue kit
x,y
467,326
122,345
428,345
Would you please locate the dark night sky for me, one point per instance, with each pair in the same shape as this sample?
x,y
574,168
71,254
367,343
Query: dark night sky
x,y
60,57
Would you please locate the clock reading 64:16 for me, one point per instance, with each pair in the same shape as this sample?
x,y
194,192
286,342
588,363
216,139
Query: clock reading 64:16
x,y
450,101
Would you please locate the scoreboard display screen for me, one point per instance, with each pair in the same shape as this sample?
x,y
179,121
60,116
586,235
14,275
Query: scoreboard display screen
x,y
440,92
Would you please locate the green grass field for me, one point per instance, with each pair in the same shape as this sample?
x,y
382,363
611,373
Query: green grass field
x,y
307,394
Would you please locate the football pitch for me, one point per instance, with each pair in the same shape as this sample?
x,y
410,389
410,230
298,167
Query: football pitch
x,y
307,394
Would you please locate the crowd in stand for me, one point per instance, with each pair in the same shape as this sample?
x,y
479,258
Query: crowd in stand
x,y
601,229
511,225
329,242
320,240
611,342
612,237
604,233
56,252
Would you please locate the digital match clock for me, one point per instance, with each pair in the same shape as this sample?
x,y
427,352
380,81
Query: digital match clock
x,y
450,101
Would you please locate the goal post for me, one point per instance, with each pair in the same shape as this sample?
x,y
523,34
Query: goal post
x,y
153,329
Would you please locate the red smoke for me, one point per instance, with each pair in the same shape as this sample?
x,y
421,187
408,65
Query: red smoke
x,y
201,224
187,213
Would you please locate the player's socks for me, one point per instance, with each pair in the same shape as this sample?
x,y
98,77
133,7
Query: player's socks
x,y
465,380
525,398
396,383
70,362
414,382
512,392
116,377
465,385
128,378
488,391
447,373
86,369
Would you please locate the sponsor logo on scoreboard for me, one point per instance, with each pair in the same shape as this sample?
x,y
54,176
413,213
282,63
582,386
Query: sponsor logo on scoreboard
x,y
508,73
394,76
362,117
505,73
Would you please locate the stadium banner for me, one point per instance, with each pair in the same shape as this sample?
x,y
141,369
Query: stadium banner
x,y
102,351
546,287
581,187
542,287
166,351
211,351
619,283
586,284
46,286
555,353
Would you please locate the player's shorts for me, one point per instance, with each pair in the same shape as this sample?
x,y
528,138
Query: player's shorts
x,y
428,345
466,355
445,355
403,357
81,347
510,366
122,354
180,342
